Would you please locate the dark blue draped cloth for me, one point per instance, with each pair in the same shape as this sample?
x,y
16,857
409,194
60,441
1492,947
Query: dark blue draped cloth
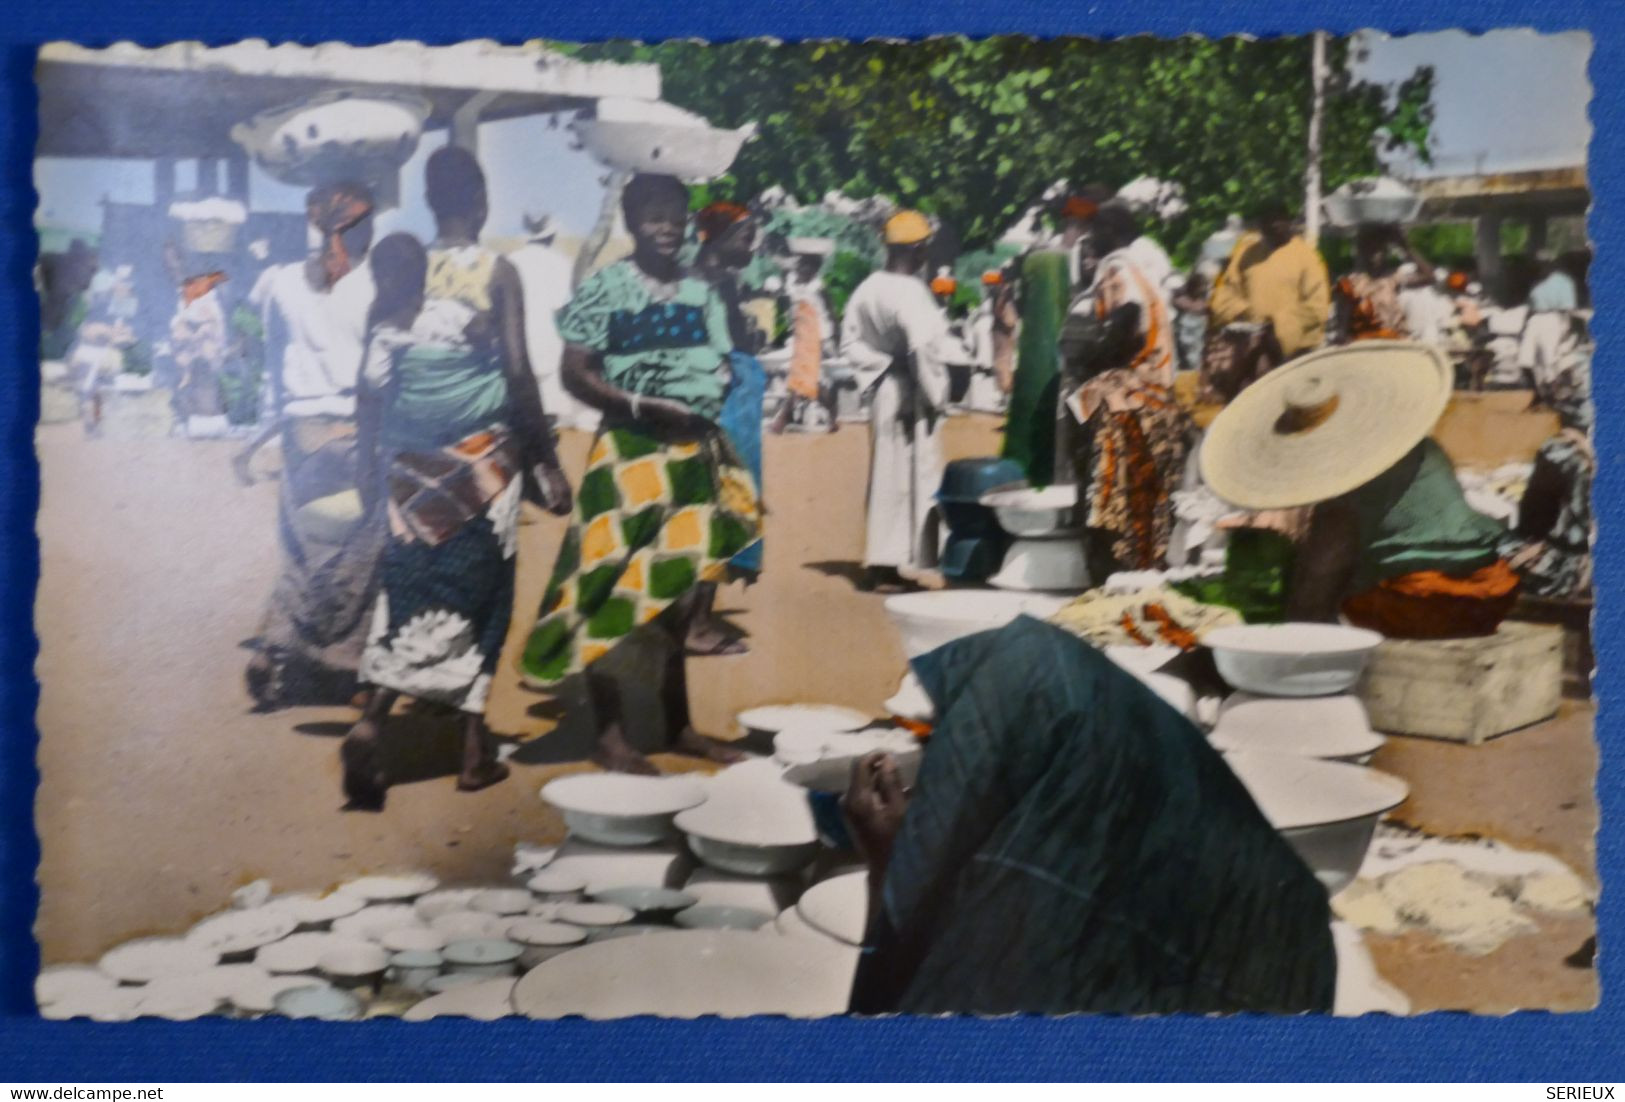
x,y
741,420
1074,844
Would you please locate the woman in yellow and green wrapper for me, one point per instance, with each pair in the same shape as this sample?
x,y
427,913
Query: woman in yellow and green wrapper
x,y
665,502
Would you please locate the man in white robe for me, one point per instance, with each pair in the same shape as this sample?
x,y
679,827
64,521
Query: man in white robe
x,y
892,334
545,279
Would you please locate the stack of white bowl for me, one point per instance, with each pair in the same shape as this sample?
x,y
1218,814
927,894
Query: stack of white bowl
x,y
1298,738
1046,552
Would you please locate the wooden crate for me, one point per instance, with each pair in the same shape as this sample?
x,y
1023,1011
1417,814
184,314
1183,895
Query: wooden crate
x,y
1466,690
1573,615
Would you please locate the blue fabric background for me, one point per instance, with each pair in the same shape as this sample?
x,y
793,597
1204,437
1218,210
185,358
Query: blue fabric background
x,y
1530,1046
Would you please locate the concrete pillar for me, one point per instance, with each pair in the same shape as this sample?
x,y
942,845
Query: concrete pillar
x,y
1538,227
237,179
1487,250
163,182
208,176
465,121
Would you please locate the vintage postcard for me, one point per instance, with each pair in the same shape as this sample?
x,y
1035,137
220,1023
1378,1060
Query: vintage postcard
x,y
941,527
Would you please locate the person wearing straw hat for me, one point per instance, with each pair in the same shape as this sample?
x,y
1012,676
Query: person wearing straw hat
x,y
892,332
1392,543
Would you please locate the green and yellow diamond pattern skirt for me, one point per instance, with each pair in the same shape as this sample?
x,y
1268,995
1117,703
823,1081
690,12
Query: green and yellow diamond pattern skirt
x,y
652,520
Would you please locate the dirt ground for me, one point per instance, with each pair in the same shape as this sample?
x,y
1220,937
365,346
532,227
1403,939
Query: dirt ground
x,y
161,791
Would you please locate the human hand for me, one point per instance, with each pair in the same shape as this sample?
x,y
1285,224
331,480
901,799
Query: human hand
x,y
874,805
673,418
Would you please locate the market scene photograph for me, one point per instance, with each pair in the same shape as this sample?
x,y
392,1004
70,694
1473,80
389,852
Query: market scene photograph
x,y
961,526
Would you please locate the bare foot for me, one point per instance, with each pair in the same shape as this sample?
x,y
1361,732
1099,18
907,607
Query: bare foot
x,y
696,745
614,754
365,784
922,577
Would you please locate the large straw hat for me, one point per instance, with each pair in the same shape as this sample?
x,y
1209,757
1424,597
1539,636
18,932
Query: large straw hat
x,y
1325,424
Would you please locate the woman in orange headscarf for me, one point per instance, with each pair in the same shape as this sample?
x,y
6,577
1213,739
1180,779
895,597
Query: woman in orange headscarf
x,y
810,330
197,342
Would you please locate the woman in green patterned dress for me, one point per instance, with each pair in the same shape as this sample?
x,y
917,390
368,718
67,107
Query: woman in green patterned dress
x,y
665,502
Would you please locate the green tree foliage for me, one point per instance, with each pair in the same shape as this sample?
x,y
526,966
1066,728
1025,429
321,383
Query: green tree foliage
x,y
973,130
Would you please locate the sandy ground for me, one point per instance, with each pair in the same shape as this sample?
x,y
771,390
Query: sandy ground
x,y
161,792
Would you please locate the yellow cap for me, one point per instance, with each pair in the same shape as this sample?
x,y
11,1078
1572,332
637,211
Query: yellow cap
x,y
907,227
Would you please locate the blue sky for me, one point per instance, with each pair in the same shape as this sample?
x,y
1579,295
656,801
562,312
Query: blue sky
x,y
1505,100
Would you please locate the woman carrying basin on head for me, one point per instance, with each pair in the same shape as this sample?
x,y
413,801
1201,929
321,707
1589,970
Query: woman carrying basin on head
x,y
665,502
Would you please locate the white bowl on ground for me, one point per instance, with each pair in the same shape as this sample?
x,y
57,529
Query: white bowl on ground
x,y
318,912
762,826
557,886
593,918
373,922
691,974
667,862
484,957
260,998
482,1001
444,901
1043,566
838,907
928,620
1335,728
355,965
771,719
464,925
303,952
647,902
414,968
755,893
502,901
615,809
413,939
152,958
799,747
541,940
1327,810
392,887
62,982
324,1003
1140,660
236,934
711,916
1292,659
1029,512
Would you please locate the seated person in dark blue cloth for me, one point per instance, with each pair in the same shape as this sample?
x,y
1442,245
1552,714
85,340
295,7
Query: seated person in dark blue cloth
x,y
1074,844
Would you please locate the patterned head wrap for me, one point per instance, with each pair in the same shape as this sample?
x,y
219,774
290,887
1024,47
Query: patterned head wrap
x,y
195,287
718,218
1079,207
334,211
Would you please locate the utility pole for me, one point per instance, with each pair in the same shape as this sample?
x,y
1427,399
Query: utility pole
x,y
1317,113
